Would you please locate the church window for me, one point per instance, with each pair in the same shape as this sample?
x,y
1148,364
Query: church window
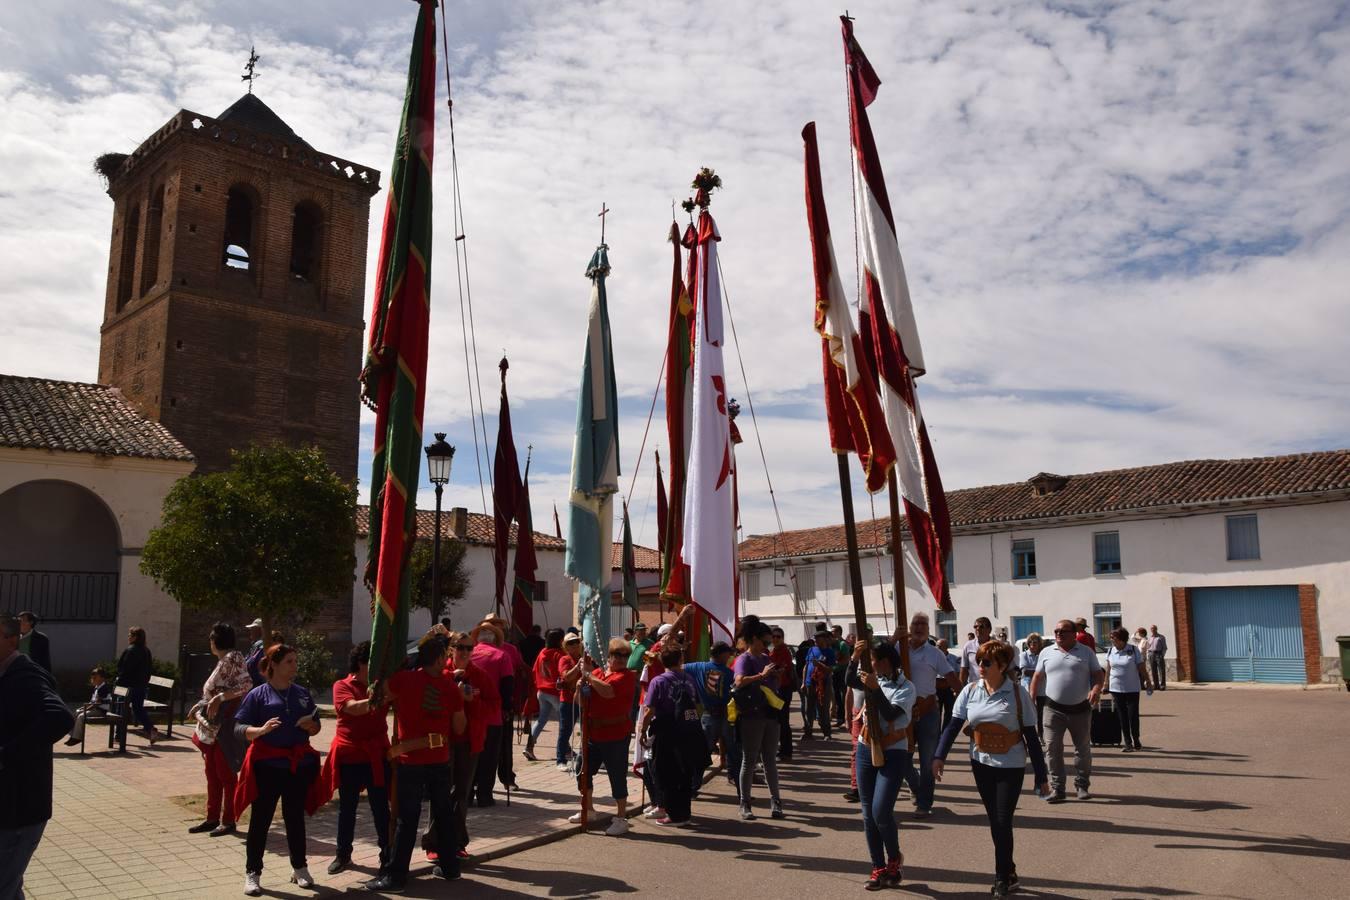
x,y
126,271
154,222
240,212
306,241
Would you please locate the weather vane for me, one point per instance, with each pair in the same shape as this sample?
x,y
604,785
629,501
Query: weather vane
x,y
249,75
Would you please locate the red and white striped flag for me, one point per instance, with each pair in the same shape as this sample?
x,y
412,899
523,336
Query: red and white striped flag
x,y
895,338
856,421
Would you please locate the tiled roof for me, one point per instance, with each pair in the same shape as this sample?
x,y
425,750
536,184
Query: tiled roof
x,y
480,528
74,417
1118,491
645,559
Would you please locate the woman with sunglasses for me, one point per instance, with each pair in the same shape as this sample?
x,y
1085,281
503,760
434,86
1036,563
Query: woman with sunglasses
x,y
609,727
887,691
998,714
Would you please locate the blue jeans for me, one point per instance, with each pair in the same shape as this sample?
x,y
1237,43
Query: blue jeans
x,y
927,730
877,789
566,722
548,709
715,727
17,846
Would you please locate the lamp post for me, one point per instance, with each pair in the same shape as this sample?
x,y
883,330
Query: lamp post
x,y
439,456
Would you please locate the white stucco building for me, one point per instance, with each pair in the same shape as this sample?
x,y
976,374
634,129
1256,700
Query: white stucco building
x,y
1244,565
83,477
554,606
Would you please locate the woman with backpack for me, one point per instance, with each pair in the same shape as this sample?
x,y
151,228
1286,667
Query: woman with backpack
x,y
1000,718
679,748
756,721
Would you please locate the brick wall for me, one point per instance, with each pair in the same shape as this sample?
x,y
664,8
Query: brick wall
x,y
225,357
1312,635
1181,624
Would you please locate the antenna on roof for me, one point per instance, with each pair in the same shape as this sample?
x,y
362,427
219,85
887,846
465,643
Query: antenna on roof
x,y
249,75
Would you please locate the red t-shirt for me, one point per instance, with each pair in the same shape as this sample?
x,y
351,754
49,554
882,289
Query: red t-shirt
x,y
359,729
424,703
565,664
781,657
478,710
1087,640
546,671
609,717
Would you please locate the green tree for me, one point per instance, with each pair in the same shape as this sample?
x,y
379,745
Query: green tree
x,y
271,536
454,578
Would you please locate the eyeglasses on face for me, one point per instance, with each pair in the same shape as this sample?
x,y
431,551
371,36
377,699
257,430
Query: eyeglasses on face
x,y
986,663
618,654
1065,631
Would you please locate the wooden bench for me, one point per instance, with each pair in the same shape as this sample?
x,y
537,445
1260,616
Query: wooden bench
x,y
117,719
102,715
166,708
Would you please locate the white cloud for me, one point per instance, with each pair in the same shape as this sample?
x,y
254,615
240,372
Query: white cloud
x,y
1125,225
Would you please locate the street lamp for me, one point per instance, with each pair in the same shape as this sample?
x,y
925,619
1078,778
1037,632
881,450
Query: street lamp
x,y
439,456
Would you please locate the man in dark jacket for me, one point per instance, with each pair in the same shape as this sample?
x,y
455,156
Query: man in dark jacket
x,y
34,643
32,718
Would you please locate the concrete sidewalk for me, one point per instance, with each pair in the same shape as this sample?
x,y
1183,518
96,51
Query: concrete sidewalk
x,y
120,824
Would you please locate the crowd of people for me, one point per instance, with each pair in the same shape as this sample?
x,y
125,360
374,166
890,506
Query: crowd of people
x,y
645,708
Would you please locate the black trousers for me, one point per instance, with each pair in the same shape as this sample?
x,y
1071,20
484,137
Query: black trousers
x,y
1040,718
1127,711
999,789
355,778
462,764
785,729
947,700
506,772
277,783
415,783
485,772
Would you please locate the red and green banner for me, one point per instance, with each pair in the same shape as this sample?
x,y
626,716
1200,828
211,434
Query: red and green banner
x,y
393,381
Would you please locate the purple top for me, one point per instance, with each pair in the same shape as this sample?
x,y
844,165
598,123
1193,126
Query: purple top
x,y
661,693
265,702
750,664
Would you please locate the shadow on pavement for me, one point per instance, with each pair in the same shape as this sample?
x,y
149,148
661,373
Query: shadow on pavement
x,y
552,883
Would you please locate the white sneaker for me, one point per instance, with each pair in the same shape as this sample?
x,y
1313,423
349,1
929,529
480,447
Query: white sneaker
x,y
300,878
575,818
617,827
252,884
654,812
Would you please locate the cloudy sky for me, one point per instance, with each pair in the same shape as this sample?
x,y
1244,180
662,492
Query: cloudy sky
x,y
1125,223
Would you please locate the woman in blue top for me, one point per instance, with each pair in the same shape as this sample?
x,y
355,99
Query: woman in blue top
x,y
1026,664
887,691
998,714
1126,677
278,717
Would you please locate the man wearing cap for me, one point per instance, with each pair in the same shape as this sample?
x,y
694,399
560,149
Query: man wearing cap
x,y
928,666
255,652
640,644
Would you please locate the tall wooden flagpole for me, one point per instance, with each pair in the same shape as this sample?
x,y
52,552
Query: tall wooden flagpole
x,y
898,575
859,602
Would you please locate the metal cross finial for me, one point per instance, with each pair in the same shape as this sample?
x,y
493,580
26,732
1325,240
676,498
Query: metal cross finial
x,y
604,211
249,75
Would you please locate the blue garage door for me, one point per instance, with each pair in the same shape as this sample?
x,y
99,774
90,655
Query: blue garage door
x,y
1248,634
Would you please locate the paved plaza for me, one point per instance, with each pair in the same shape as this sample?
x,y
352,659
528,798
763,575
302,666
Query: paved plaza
x,y
1242,793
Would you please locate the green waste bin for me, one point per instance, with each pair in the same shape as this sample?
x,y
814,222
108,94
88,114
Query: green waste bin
x,y
1344,641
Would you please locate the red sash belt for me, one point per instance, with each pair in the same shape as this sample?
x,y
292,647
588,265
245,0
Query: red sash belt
x,y
343,751
247,789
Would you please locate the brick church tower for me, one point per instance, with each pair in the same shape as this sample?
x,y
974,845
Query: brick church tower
x,y
236,281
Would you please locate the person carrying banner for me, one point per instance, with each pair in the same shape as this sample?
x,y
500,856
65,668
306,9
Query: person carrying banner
x,y
609,727
356,760
428,713
891,694
277,718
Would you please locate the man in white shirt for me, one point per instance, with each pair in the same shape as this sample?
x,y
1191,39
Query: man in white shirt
x,y
927,666
1070,678
1157,658
970,670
